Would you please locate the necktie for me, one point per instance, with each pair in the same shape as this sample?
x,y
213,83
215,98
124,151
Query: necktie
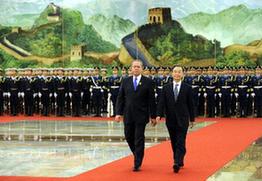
x,y
135,83
176,91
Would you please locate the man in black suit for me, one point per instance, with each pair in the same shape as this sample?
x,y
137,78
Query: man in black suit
x,y
176,102
136,102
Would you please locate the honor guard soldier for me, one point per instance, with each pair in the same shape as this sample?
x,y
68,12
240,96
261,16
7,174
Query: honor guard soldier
x,y
192,78
21,76
242,91
114,85
60,89
153,73
105,90
11,90
75,89
129,71
257,86
160,82
46,87
37,78
68,74
153,77
233,74
202,92
124,73
28,91
250,72
146,71
225,84
97,91
210,84
167,76
1,92
86,86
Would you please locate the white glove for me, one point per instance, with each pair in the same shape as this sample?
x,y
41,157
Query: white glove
x,y
102,90
70,94
253,94
247,95
220,94
34,95
82,94
9,94
50,95
4,94
155,95
236,94
39,94
55,94
66,94
198,94
205,94
19,94
22,94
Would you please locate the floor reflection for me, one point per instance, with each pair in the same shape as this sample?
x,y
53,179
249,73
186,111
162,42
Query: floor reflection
x,y
245,167
66,148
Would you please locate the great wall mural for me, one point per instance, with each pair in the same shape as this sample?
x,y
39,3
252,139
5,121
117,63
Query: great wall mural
x,y
62,33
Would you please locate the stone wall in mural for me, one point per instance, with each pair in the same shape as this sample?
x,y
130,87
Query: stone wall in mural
x,y
84,33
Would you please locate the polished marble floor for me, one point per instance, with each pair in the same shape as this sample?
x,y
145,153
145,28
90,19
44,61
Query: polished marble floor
x,y
245,167
66,148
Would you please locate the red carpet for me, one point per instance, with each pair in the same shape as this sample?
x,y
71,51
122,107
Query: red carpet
x,y
207,151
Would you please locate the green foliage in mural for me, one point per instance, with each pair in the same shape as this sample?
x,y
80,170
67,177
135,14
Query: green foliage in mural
x,y
56,38
7,61
169,43
239,58
4,30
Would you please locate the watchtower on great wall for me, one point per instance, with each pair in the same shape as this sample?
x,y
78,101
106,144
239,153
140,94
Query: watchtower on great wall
x,y
159,15
55,15
77,52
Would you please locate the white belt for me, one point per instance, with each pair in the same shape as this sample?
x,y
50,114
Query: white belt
x,y
195,86
98,87
258,87
114,87
160,87
242,86
210,87
226,87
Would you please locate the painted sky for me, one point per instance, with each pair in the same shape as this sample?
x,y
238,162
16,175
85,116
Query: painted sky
x,y
137,9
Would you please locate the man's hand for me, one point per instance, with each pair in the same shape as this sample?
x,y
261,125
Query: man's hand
x,y
153,122
118,118
192,124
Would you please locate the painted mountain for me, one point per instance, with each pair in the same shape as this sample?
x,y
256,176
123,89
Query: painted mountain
x,y
135,10
237,24
112,29
168,44
51,39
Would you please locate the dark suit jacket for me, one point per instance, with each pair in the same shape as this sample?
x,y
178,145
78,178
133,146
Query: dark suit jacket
x,y
136,106
180,112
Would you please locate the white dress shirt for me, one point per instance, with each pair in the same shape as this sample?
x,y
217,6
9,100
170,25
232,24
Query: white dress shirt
x,y
138,79
178,87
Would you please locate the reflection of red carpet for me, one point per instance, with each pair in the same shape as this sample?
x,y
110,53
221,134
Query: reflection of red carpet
x,y
208,150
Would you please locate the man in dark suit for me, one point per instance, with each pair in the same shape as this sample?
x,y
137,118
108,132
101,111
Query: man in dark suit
x,y
176,102
136,102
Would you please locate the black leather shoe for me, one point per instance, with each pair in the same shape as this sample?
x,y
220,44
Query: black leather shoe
x,y
136,169
181,165
176,168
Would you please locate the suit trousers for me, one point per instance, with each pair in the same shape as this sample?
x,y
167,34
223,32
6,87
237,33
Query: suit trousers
x,y
135,137
178,142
